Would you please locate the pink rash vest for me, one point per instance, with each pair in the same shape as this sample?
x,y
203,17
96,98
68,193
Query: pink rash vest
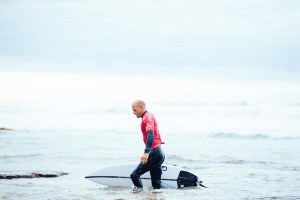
x,y
149,124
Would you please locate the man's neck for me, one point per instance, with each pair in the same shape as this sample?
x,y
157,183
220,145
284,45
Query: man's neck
x,y
143,113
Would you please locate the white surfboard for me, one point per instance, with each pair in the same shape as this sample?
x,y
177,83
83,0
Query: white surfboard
x,y
119,175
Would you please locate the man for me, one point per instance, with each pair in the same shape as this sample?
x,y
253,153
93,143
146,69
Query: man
x,y
153,155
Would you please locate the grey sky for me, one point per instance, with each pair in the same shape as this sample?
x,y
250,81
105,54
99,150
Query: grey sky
x,y
88,35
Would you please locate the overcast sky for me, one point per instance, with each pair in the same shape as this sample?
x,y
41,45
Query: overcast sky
x,y
151,36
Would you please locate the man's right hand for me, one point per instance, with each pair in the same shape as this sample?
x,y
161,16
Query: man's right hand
x,y
144,158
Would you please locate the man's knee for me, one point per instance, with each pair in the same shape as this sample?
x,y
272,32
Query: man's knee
x,y
134,175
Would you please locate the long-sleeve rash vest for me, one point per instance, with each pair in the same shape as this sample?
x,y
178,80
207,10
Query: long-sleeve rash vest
x,y
151,135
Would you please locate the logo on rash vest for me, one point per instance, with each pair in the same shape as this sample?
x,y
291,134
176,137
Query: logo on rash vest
x,y
149,127
149,124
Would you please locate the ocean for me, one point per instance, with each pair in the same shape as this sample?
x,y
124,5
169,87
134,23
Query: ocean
x,y
241,138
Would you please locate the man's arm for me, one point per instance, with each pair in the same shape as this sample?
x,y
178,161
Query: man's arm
x,y
150,138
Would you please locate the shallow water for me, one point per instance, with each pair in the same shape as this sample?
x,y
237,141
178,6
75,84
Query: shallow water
x,y
231,168
241,139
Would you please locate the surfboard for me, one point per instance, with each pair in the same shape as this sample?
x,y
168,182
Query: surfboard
x,y
119,176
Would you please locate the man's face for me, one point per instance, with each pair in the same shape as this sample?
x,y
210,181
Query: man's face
x,y
137,110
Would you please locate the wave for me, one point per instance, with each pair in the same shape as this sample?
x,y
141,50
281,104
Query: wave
x,y
185,163
283,197
179,158
198,164
234,161
111,110
248,136
174,160
201,104
19,156
264,164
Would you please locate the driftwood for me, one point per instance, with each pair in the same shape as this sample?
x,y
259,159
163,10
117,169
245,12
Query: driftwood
x,y
33,175
5,129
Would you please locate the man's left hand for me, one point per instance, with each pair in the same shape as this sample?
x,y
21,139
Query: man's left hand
x,y
144,158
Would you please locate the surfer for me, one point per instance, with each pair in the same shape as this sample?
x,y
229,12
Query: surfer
x,y
153,156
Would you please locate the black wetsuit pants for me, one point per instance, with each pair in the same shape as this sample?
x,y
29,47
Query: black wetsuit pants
x,y
155,159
